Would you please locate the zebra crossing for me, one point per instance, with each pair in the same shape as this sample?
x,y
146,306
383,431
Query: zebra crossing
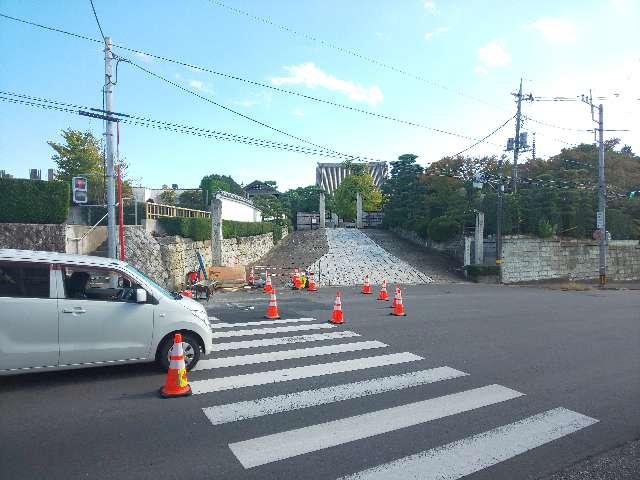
x,y
451,461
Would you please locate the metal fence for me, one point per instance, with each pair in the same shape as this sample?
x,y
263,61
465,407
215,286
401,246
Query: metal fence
x,y
154,211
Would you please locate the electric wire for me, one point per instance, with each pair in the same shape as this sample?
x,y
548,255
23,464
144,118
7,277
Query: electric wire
x,y
98,21
483,139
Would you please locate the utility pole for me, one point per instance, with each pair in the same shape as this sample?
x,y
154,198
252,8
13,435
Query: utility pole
x,y
499,216
602,201
516,146
601,223
110,150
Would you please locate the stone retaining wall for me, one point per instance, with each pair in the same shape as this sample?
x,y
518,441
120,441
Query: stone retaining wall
x,y
143,252
34,236
527,259
245,250
453,248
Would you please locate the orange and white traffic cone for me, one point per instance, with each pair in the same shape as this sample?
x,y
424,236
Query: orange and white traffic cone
x,y
312,283
336,317
383,295
176,384
366,288
398,310
272,308
395,297
268,287
252,277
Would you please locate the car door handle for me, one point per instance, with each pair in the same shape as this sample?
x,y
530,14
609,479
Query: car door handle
x,y
74,310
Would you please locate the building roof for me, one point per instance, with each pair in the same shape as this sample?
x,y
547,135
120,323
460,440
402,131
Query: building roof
x,y
260,187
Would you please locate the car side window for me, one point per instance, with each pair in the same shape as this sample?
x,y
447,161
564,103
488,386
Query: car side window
x,y
98,284
24,280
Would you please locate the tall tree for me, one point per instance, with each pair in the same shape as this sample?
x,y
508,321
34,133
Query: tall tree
x,y
79,154
403,193
344,198
214,183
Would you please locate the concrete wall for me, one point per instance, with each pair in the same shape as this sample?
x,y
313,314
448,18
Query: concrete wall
x,y
34,236
238,208
527,259
88,244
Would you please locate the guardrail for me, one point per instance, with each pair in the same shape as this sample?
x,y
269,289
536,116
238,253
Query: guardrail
x,y
156,210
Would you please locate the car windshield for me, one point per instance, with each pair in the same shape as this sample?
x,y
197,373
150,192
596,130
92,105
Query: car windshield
x,y
162,290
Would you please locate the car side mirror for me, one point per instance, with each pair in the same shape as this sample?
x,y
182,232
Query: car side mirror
x,y
141,295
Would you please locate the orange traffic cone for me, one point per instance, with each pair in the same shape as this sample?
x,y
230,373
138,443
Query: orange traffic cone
x,y
395,297
336,317
252,277
398,310
383,295
312,283
268,287
176,384
272,308
366,288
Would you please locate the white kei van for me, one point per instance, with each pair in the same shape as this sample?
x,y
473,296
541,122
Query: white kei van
x,y
60,311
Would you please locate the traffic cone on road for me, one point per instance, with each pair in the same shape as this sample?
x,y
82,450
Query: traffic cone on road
x,y
312,283
383,295
272,308
395,297
268,287
366,288
176,384
398,310
336,317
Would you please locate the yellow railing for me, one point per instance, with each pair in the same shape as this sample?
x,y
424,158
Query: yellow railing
x,y
156,210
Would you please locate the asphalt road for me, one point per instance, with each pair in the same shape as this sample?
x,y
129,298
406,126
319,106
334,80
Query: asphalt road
x,y
575,350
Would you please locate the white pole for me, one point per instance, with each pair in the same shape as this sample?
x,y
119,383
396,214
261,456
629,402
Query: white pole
x,y
110,149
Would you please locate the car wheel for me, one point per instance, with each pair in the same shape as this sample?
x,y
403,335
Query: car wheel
x,y
190,346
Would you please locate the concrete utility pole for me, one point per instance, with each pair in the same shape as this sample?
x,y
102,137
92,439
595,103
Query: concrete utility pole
x,y
110,150
602,201
499,219
516,144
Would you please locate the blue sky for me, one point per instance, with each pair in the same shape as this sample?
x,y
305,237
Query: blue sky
x,y
476,50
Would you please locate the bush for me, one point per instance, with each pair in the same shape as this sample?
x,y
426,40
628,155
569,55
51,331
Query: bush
x,y
546,229
33,201
442,229
232,229
482,270
196,228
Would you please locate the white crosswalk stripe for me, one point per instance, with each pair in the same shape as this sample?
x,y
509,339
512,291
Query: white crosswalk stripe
x,y
288,374
267,331
475,453
233,412
287,354
261,322
278,446
448,462
270,342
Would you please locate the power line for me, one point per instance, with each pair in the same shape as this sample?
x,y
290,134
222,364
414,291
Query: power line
x,y
97,21
38,102
382,116
482,139
348,51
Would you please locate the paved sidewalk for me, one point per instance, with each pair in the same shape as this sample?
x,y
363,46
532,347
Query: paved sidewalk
x,y
352,255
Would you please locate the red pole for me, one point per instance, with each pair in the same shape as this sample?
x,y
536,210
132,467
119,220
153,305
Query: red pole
x,y
120,206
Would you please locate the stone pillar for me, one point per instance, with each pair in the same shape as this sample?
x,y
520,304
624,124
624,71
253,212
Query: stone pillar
x,y
359,215
479,237
216,231
322,211
467,252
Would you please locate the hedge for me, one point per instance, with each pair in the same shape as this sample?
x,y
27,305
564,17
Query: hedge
x,y
442,229
200,228
33,201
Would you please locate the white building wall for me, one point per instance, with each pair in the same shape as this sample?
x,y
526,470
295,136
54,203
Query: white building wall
x,y
238,209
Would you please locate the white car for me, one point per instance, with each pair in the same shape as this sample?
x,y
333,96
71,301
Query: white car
x,y
61,311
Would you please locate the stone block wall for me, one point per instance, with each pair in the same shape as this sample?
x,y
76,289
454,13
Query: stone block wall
x,y
527,259
179,257
143,252
245,250
453,248
34,236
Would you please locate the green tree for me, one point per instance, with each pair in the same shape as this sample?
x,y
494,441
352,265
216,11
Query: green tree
x,y
403,194
214,183
191,199
168,197
304,199
79,154
344,198
270,206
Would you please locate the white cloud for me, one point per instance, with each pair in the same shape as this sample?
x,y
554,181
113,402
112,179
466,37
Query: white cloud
x,y
557,30
261,98
429,5
492,55
429,35
143,57
200,85
297,112
309,75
